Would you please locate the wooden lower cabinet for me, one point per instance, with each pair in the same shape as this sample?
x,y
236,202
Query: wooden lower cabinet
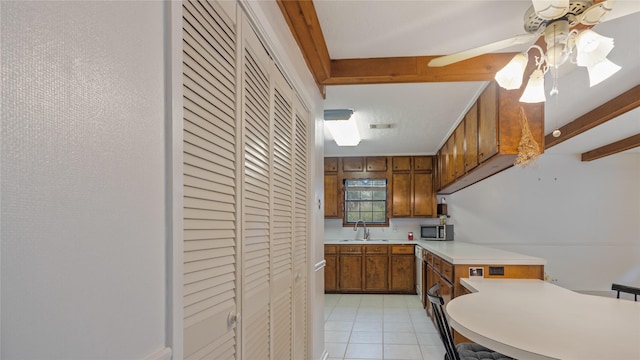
x,y
379,268
375,272
350,273
438,271
403,264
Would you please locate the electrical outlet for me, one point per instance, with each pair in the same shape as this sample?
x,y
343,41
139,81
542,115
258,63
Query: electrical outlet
x,y
395,228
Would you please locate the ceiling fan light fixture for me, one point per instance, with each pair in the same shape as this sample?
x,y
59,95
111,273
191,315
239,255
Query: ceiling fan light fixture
x,y
342,126
601,71
510,76
592,47
534,92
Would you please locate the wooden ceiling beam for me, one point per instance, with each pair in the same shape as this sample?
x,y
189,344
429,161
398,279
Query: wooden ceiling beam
x,y
305,27
613,148
303,22
413,69
613,108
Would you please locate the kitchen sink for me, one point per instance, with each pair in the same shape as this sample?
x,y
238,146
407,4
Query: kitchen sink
x,y
362,240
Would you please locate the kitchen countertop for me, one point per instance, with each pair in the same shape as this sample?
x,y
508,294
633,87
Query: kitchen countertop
x,y
534,319
459,253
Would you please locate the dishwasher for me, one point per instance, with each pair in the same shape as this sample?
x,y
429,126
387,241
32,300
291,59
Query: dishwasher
x,y
418,253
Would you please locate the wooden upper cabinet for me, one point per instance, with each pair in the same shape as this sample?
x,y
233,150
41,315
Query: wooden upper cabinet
x,y
353,164
424,201
330,164
488,138
451,176
332,194
413,191
378,163
471,138
422,163
458,151
401,163
488,122
401,202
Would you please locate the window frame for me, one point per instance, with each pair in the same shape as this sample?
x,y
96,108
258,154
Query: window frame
x,y
345,201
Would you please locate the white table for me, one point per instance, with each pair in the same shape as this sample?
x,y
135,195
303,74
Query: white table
x,y
533,319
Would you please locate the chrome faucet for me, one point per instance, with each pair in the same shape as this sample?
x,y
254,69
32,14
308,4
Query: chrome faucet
x,y
364,226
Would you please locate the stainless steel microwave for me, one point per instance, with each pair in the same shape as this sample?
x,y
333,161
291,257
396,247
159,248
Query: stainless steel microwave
x,y
436,232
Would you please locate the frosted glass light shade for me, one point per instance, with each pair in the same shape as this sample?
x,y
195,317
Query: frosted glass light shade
x,y
534,92
510,76
601,71
592,47
344,132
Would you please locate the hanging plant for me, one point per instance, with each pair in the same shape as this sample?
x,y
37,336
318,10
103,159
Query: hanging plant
x,y
528,149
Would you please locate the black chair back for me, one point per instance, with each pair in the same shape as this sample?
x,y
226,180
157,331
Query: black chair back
x,y
441,321
626,289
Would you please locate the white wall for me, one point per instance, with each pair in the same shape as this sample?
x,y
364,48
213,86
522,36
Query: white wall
x,y
82,180
583,217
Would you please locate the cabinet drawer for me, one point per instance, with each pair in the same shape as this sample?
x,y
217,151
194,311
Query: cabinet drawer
x,y
447,271
376,249
428,257
331,249
350,249
402,249
437,263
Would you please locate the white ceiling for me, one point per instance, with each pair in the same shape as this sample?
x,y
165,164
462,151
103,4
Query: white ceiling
x,y
424,114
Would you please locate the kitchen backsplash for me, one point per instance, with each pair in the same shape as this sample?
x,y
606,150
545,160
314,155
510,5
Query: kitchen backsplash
x,y
398,229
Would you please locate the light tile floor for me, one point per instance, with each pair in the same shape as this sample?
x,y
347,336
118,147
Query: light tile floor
x,y
383,327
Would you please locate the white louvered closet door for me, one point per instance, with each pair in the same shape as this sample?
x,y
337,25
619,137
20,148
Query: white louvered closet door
x,y
282,219
301,230
210,184
256,199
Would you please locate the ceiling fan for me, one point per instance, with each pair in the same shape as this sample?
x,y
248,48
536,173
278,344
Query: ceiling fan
x,y
565,25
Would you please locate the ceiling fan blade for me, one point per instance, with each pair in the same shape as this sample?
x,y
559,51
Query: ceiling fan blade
x,y
468,54
550,9
608,10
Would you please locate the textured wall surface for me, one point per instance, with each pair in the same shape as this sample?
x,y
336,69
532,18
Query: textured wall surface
x,y
82,180
582,217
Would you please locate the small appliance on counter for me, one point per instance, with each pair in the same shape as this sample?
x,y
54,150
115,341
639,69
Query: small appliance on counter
x,y
436,232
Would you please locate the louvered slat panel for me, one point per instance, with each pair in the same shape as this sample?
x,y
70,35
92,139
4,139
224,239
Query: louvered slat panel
x,y
282,219
282,330
210,186
301,208
223,348
256,207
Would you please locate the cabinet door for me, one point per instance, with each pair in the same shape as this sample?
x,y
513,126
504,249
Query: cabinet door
x,y
377,163
330,164
487,122
331,273
331,198
458,151
422,163
446,290
451,176
444,165
403,271
401,202
430,280
350,271
353,164
423,199
401,163
471,138
376,272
